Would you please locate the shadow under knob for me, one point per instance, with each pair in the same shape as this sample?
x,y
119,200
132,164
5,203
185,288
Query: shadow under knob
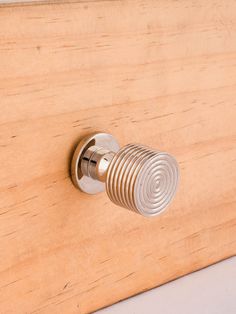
x,y
136,177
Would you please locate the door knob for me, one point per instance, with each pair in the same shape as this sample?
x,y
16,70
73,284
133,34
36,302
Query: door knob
x,y
135,176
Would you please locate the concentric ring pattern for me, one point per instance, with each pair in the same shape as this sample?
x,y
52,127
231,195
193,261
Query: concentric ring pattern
x,y
141,179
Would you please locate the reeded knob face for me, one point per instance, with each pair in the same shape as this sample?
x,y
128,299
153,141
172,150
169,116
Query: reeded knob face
x,y
142,179
156,184
135,177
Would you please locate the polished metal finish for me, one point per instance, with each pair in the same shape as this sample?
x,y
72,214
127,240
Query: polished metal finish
x,y
136,177
87,170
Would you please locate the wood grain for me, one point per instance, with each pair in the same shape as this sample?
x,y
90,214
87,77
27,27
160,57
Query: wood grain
x,y
162,73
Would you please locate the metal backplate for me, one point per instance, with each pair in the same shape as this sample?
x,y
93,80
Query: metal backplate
x,y
82,182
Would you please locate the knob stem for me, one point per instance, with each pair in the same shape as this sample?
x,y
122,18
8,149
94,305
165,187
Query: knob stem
x,y
95,162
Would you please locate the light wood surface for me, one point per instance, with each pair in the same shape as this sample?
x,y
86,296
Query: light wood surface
x,y
161,73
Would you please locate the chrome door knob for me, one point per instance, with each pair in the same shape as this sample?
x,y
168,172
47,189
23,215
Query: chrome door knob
x,y
135,177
